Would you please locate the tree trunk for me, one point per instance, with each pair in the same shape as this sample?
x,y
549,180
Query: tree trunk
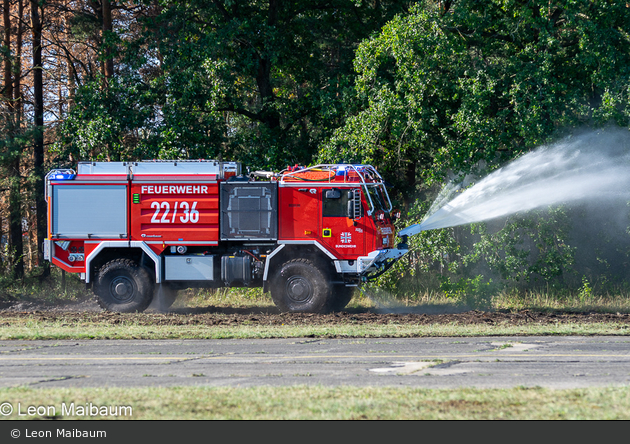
x,y
17,88
108,64
38,138
13,170
268,114
7,91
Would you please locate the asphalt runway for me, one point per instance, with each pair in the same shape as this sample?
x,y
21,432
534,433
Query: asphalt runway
x,y
483,362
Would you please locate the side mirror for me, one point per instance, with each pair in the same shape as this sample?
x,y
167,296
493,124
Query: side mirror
x,y
333,194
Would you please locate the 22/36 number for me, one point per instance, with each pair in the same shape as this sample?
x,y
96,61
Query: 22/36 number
x,y
190,214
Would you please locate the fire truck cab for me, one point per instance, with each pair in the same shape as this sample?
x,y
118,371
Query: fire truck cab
x,y
139,231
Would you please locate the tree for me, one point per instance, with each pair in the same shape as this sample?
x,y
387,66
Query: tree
x,y
38,133
11,142
34,86
455,83
463,86
262,82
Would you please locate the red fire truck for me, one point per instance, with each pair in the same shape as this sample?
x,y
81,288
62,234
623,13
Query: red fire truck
x,y
136,231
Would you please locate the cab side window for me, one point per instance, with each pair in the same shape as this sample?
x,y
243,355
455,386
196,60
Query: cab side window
x,y
340,203
335,202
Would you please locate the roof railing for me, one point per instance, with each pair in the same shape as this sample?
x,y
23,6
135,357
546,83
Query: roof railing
x,y
362,171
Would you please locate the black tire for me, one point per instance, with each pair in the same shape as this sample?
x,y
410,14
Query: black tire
x,y
123,286
342,295
302,286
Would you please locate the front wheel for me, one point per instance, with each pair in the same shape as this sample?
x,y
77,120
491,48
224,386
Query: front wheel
x,y
123,286
302,286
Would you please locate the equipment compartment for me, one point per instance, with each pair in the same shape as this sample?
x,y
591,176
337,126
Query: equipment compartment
x,y
249,210
189,268
89,211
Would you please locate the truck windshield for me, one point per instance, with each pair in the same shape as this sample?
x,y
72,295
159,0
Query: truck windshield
x,y
379,198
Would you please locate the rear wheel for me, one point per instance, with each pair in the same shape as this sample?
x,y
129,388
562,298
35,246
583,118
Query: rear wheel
x,y
302,286
123,286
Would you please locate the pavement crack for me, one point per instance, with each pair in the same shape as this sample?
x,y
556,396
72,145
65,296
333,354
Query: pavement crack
x,y
446,364
35,348
59,378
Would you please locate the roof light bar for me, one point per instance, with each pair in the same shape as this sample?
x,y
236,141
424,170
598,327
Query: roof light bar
x,y
61,175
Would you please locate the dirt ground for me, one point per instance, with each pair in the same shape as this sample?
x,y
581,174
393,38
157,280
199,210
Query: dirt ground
x,y
89,311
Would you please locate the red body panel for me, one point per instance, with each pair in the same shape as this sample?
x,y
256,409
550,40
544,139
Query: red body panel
x,y
299,213
163,210
61,256
175,212
300,218
346,240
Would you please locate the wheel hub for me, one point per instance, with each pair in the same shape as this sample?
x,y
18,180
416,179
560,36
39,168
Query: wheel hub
x,y
299,289
122,288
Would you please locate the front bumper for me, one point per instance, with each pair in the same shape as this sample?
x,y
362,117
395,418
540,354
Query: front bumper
x,y
375,262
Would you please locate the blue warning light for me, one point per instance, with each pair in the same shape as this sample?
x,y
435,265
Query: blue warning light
x,y
62,176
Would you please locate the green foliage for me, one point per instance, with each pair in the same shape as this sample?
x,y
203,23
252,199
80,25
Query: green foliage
x,y
259,82
586,292
532,247
8,259
473,292
438,89
110,123
452,86
471,263
15,142
442,89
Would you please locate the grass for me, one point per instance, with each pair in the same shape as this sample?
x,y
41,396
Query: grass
x,y
542,301
324,403
317,402
29,328
132,327
60,290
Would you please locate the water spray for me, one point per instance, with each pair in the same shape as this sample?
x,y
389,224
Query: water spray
x,y
593,166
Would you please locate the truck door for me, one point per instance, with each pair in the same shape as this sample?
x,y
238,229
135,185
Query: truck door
x,y
340,232
299,213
